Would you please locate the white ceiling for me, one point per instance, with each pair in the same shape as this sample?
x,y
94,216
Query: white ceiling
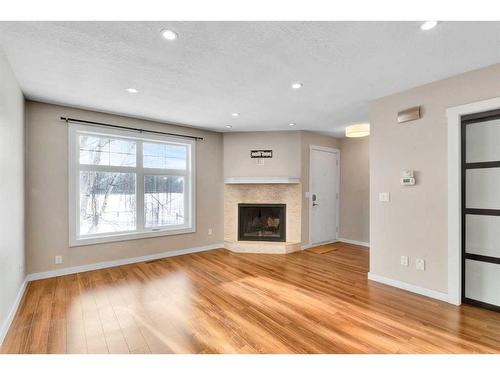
x,y
216,68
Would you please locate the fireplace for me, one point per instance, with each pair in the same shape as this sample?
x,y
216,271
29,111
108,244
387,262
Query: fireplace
x,y
261,222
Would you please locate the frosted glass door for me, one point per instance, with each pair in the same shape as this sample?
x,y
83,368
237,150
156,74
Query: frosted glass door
x,y
481,209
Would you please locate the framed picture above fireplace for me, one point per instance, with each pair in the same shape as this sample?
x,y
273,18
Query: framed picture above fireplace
x,y
261,222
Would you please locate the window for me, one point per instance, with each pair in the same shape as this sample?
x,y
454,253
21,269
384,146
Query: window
x,y
124,186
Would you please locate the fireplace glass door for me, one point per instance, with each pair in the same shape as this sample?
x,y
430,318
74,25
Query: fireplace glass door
x,y
261,222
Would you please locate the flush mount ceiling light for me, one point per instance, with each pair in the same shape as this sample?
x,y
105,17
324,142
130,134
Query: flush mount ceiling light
x,y
297,85
131,90
427,25
169,34
292,124
228,126
235,114
357,130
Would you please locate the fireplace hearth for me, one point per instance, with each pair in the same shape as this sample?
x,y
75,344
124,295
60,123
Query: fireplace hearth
x,y
261,222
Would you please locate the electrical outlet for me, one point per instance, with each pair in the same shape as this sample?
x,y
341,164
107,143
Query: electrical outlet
x,y
209,231
404,260
260,161
58,259
420,264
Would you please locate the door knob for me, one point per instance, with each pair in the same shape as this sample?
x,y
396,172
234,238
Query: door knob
x,y
314,200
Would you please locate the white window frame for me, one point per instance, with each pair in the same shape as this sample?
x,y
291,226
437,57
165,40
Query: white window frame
x,y
74,130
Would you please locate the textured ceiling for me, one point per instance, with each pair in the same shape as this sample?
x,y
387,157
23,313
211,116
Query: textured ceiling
x,y
216,68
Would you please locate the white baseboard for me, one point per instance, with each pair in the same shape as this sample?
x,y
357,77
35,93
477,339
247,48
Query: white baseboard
x,y
410,287
354,242
308,245
12,313
120,262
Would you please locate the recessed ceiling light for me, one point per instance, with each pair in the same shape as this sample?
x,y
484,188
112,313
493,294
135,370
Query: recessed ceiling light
x,y
228,126
235,114
297,85
169,34
292,124
132,90
427,25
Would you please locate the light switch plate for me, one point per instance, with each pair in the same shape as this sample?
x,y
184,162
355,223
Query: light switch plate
x,y
404,260
58,259
420,264
384,197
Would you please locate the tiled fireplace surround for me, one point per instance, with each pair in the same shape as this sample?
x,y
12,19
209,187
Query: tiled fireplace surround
x,y
284,193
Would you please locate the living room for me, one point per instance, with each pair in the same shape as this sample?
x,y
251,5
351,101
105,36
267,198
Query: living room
x,y
203,187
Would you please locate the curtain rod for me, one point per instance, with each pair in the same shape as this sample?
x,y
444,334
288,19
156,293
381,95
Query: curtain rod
x,y
68,119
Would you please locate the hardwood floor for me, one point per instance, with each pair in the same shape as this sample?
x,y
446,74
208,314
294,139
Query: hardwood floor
x,y
220,302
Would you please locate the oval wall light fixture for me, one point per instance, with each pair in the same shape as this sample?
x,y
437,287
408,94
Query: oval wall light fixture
x,y
357,130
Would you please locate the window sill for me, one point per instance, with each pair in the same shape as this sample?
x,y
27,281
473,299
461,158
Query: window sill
x,y
128,236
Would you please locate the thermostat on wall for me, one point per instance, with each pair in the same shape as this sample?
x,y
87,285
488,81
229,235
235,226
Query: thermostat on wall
x,y
407,177
408,181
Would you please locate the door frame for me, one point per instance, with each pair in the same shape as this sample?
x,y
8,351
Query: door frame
x,y
337,215
454,116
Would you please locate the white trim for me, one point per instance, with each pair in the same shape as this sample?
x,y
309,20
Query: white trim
x,y
120,262
323,148
13,310
354,242
409,287
189,175
335,151
127,236
261,180
454,192
308,246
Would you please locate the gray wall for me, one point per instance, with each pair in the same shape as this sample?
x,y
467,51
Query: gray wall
x,y
414,222
47,192
11,191
355,189
284,163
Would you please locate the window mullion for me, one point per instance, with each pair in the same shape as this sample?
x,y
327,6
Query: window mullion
x,y
106,168
139,188
165,172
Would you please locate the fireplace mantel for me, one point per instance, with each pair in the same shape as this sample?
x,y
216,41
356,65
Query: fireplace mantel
x,y
261,180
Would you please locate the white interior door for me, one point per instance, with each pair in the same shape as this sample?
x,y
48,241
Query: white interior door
x,y
323,195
